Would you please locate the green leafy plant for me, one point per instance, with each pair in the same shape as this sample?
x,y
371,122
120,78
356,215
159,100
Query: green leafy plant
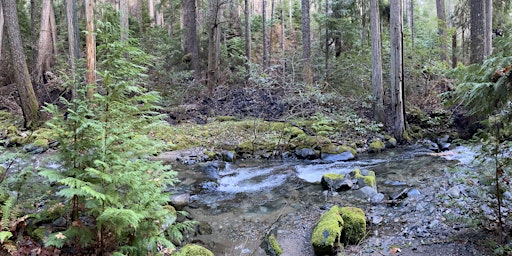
x,y
116,195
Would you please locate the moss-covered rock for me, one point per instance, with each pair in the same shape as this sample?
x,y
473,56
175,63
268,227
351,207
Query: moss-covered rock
x,y
225,118
194,250
335,182
376,146
390,141
315,142
327,232
365,178
272,246
354,228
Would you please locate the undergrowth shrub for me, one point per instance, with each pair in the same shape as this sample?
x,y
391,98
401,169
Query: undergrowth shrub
x,y
116,196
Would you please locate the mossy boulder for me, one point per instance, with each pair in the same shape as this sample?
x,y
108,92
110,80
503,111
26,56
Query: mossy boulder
x,y
354,228
271,246
327,232
194,250
314,142
336,182
390,141
365,178
376,146
225,118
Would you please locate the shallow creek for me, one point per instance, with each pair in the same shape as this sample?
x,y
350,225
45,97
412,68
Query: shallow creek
x,y
238,203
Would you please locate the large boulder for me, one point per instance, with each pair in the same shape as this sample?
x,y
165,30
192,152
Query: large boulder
x,y
376,146
327,233
365,178
354,228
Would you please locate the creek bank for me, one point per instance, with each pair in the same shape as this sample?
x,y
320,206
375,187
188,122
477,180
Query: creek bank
x,y
242,201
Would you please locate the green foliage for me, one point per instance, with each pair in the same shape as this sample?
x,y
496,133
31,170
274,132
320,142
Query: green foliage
x,y
106,168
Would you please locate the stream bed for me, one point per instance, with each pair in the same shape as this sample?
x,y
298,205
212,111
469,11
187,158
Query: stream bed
x,y
237,204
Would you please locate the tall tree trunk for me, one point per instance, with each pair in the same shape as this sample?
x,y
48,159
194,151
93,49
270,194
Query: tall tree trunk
x,y
326,75
28,100
364,32
212,44
264,21
33,34
138,15
307,73
283,58
151,9
270,40
247,9
454,49
397,76
90,42
45,48
377,85
124,13
410,20
477,12
441,26
1,29
488,28
73,46
53,28
190,33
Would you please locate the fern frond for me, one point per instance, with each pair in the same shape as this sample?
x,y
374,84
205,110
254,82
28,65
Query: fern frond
x,y
7,209
120,219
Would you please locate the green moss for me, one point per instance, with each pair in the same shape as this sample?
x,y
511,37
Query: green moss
x,y
369,179
293,131
225,118
377,146
328,231
308,141
275,245
354,229
333,176
41,143
194,250
38,234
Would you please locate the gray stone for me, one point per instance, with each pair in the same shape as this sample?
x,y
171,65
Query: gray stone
x,y
413,192
453,192
179,201
369,191
306,153
345,156
228,156
377,198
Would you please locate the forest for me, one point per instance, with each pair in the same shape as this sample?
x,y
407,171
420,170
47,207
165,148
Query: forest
x,y
198,127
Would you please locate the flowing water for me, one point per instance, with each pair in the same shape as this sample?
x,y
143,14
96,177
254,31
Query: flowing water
x,y
239,203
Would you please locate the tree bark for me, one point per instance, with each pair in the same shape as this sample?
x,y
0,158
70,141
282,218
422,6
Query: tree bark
x,y
477,10
377,84
73,46
151,8
488,28
397,81
213,33
326,75
410,20
364,32
265,43
270,41
44,53
124,15
28,100
1,29
307,73
190,33
441,26
138,14
247,33
90,42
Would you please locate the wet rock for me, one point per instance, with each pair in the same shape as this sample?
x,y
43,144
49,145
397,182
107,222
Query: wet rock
x,y
364,178
376,146
444,143
400,195
228,156
336,182
211,168
376,220
454,192
179,201
390,142
271,246
430,145
306,153
395,183
368,192
377,198
35,149
345,156
204,228
413,192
